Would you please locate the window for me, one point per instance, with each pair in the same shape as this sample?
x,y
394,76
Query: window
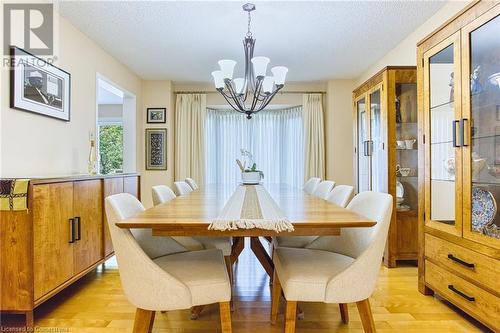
x,y
274,137
111,148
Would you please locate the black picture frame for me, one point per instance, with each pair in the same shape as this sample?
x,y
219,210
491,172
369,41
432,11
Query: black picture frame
x,y
152,115
48,95
156,149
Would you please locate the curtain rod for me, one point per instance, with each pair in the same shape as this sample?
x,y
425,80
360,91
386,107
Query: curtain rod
x,y
279,93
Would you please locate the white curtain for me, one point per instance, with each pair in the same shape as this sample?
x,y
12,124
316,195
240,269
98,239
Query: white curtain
x,y
314,137
190,113
274,137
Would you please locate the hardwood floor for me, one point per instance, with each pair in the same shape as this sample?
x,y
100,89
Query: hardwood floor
x,y
97,304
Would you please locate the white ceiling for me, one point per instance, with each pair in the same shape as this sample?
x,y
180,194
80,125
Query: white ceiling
x,y
182,40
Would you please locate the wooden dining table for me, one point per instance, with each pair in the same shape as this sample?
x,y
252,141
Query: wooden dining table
x,y
191,215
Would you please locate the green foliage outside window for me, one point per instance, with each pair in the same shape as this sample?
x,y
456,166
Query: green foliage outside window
x,y
111,148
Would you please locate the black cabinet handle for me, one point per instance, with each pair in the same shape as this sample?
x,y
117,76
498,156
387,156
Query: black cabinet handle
x,y
463,128
454,130
460,261
78,228
458,292
71,230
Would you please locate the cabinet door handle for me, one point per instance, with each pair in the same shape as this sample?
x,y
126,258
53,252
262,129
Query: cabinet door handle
x,y
370,147
78,228
454,124
464,140
460,261
458,292
71,230
365,148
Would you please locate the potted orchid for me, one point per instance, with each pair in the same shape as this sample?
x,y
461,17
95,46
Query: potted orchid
x,y
249,175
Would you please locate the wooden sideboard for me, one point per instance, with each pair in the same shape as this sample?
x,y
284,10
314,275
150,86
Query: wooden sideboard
x,y
62,236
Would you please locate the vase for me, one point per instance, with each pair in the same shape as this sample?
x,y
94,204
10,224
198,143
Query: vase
x,y
251,178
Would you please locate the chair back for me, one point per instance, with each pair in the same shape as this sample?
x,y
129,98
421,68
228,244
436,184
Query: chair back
x,y
182,188
162,194
311,184
192,183
145,284
341,195
324,188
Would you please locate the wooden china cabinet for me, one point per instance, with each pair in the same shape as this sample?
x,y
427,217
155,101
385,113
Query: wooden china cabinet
x,y
386,152
459,124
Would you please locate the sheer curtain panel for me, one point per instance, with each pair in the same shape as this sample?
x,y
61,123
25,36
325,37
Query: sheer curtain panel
x,y
274,137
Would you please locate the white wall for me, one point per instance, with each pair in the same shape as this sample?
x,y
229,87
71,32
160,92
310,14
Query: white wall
x,y
339,131
34,145
157,94
405,53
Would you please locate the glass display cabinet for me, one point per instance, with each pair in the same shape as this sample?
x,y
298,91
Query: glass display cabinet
x,y
459,122
386,152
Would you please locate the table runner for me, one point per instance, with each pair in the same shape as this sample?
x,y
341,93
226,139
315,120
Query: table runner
x,y
250,207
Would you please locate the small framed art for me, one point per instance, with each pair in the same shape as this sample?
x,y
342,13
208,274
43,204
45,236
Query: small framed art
x,y
156,149
156,115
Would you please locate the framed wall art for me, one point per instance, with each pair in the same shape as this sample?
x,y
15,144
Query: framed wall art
x,y
156,115
38,86
156,149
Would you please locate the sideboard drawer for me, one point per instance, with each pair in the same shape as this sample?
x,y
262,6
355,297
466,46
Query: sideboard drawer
x,y
474,266
465,295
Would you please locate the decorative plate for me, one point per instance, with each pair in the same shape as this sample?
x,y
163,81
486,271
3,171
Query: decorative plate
x,y
400,190
484,208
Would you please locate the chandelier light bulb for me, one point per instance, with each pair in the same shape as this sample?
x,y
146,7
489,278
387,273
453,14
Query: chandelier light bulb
x,y
218,79
260,65
238,85
268,84
227,68
279,73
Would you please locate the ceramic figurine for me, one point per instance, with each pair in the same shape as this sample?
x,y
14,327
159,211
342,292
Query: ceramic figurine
x,y
452,86
475,86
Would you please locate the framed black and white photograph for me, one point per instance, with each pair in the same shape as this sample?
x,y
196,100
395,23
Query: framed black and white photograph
x,y
156,149
157,115
39,87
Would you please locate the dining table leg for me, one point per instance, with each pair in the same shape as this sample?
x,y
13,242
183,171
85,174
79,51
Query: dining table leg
x,y
237,248
262,255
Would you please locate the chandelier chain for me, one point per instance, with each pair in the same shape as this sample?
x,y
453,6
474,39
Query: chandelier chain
x,y
249,33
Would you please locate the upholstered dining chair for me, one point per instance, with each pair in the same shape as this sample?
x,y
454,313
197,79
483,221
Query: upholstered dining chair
x,y
161,281
311,184
182,188
323,189
191,182
344,272
340,195
162,194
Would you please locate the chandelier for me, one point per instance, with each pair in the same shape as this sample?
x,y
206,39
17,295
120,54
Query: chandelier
x,y
255,91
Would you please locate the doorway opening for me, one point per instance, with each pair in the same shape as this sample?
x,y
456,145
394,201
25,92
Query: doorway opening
x,y
116,128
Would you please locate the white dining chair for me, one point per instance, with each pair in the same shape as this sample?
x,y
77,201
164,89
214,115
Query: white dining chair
x,y
340,195
165,282
182,188
191,182
311,184
345,272
163,194
324,188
